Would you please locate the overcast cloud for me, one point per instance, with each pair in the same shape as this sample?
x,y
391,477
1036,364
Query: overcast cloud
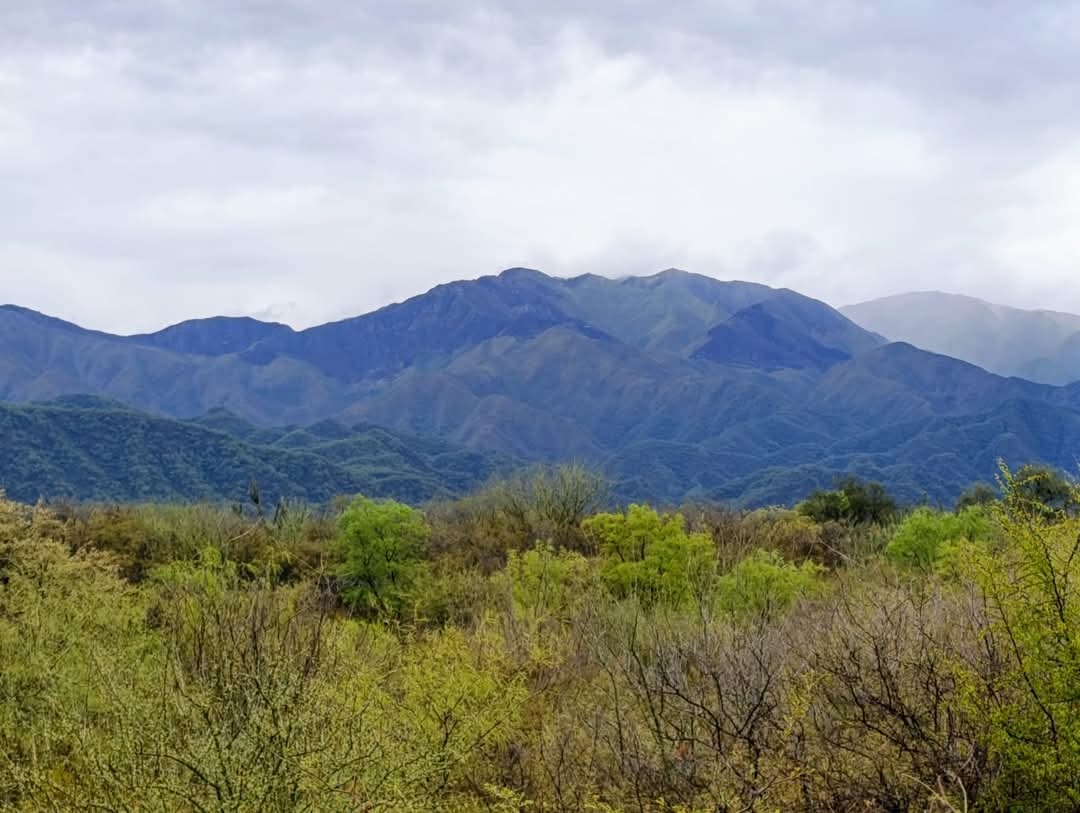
x,y
310,159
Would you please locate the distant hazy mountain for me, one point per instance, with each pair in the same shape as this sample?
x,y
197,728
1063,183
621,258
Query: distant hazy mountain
x,y
1039,345
681,385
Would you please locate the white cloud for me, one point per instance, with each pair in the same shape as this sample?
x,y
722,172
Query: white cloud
x,y
164,160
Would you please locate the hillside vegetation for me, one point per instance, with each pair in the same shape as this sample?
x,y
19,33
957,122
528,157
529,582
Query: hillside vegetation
x,y
92,450
679,386
525,649
88,449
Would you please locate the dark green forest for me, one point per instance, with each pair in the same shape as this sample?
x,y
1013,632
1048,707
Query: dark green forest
x,y
528,647
85,448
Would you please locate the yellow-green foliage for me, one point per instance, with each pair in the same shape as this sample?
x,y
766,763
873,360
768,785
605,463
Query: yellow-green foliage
x,y
547,584
651,556
928,538
764,583
544,591
290,544
785,531
205,690
459,698
75,666
195,659
381,546
1032,701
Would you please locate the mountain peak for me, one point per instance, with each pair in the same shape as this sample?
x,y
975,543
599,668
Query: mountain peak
x,y
519,272
213,336
48,321
667,275
1035,344
786,331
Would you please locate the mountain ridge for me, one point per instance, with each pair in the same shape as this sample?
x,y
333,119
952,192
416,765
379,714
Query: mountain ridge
x,y
540,368
1041,345
77,449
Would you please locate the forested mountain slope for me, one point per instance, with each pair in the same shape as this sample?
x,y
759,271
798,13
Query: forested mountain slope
x,y
681,385
92,450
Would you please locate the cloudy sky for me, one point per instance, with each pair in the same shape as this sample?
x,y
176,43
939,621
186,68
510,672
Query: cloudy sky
x,y
311,159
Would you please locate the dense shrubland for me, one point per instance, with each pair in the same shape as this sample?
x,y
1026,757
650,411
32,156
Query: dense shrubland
x,y
526,649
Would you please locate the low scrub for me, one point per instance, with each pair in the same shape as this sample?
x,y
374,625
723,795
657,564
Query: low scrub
x,y
206,659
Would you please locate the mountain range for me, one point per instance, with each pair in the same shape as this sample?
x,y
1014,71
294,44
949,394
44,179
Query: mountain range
x,y
1039,345
680,386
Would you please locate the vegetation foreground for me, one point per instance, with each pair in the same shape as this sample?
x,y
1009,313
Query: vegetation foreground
x,y
521,649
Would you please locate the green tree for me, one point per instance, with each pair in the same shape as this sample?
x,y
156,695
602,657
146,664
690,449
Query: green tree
x,y
977,494
764,583
1045,486
852,501
381,547
650,555
1029,693
927,538
825,506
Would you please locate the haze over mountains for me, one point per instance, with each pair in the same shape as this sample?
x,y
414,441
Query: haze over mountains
x,y
1039,345
679,385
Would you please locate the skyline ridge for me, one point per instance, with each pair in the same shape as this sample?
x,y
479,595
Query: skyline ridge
x,y
714,386
253,315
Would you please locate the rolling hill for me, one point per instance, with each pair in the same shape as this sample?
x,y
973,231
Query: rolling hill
x,y
92,449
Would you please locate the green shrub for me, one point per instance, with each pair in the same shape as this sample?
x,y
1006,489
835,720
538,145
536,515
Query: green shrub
x,y
977,494
764,583
446,594
514,513
1029,697
381,545
1043,486
546,583
651,556
927,539
853,501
